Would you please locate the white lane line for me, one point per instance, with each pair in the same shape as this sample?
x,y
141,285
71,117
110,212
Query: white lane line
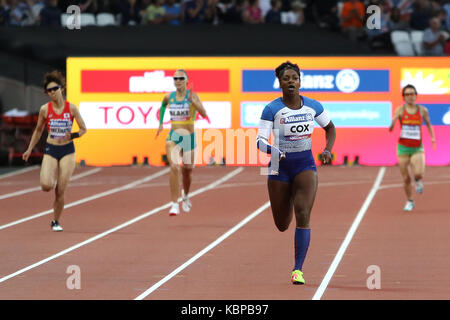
x,y
10,174
90,198
24,191
123,225
349,236
202,252
400,185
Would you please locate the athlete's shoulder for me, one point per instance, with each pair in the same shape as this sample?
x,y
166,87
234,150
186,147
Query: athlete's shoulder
x,y
271,109
44,109
422,110
73,108
313,104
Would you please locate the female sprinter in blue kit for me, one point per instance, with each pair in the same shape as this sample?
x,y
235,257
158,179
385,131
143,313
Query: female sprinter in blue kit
x,y
292,181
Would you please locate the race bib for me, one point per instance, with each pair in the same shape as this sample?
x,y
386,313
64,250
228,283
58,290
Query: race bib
x,y
297,127
410,132
59,127
179,112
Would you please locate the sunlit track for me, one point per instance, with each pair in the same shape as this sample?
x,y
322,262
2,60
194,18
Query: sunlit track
x,y
18,172
348,238
28,190
119,227
90,198
203,251
209,253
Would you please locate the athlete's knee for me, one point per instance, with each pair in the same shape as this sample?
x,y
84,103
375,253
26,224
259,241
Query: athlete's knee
x,y
46,187
407,180
302,217
174,168
59,193
281,226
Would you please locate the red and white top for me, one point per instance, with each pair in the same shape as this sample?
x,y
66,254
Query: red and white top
x,y
59,124
411,129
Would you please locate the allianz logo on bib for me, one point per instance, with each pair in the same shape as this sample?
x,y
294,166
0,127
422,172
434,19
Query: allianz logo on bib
x,y
298,118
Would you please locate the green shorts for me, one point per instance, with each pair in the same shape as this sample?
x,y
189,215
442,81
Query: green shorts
x,y
185,142
402,150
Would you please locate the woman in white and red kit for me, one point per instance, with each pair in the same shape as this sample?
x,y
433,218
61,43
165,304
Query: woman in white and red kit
x,y
58,162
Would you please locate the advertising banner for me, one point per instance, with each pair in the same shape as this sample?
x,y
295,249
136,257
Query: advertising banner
x,y
120,99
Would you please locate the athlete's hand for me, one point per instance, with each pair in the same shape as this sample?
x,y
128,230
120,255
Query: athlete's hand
x,y
159,130
67,137
282,155
326,157
190,92
26,155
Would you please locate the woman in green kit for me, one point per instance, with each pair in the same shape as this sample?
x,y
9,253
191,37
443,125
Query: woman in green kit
x,y
180,145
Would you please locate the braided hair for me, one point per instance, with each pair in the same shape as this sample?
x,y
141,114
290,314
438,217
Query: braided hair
x,y
279,71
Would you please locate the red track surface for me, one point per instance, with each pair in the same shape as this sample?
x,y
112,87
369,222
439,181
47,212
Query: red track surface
x,y
411,249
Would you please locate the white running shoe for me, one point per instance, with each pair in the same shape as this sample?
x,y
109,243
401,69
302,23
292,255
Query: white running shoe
x,y
187,205
55,226
419,186
175,210
409,205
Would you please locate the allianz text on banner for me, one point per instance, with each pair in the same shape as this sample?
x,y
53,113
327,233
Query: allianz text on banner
x,y
145,115
344,80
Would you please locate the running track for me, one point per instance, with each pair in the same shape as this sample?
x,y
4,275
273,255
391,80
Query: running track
x,y
117,231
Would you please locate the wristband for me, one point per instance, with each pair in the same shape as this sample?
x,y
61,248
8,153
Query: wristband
x,y
326,151
74,135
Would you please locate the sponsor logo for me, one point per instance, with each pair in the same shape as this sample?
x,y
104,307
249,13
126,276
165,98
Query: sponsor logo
x,y
151,81
439,113
363,114
145,115
297,118
345,81
427,80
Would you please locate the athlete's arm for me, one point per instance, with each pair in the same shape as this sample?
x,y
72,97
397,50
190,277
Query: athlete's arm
x,y
397,115
426,118
198,104
37,132
330,136
262,139
77,116
162,111
330,132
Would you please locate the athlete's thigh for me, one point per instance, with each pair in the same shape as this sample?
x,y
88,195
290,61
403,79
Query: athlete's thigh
x,y
173,153
304,189
280,201
403,164
418,163
188,159
49,171
66,168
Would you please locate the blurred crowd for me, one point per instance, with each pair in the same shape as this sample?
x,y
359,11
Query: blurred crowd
x,y
351,17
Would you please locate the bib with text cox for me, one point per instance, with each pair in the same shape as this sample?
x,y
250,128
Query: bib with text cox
x,y
297,127
410,132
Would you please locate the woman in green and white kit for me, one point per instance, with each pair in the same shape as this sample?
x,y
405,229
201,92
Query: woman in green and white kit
x,y
183,105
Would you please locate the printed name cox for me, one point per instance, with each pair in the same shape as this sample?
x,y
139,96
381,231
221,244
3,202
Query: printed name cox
x,y
234,309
